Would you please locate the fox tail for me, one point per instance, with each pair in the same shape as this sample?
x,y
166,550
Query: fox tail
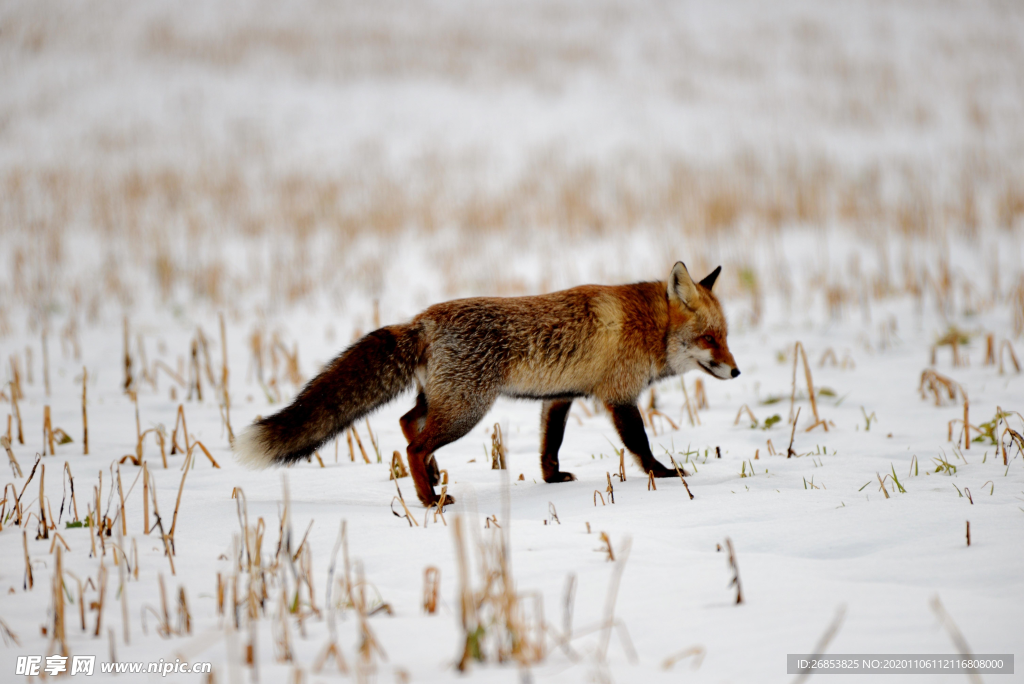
x,y
367,375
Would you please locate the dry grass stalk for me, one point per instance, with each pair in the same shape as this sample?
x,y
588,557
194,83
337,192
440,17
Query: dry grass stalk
x,y
735,570
48,432
690,412
792,434
120,494
226,396
184,616
1007,347
195,384
609,620
74,500
823,642
179,419
15,411
622,464
650,481
145,497
28,581
700,398
497,448
177,503
798,354
431,588
607,550
956,635
128,381
58,636
45,533
206,452
881,484
750,413
407,515
398,469
351,451
160,524
697,652
610,489
939,385
828,357
85,415
969,531
679,472
655,413
5,442
373,440
990,349
102,586
359,442
58,538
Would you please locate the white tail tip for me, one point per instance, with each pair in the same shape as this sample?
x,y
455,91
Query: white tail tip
x,y
251,451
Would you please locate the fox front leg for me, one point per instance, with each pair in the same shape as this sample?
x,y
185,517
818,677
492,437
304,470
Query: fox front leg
x,y
553,416
630,427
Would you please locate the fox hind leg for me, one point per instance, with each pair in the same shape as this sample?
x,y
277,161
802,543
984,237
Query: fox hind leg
x,y
553,416
412,424
630,427
445,422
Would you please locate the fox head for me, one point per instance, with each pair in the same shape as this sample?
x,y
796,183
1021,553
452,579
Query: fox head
x,y
696,326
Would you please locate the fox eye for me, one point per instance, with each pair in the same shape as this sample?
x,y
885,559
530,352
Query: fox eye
x,y
709,339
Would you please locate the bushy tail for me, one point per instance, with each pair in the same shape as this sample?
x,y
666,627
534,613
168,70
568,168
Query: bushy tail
x,y
367,375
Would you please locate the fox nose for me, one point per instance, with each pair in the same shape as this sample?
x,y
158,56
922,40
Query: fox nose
x,y
735,372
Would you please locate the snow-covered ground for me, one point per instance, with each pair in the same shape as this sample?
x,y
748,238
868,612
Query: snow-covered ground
x,y
311,169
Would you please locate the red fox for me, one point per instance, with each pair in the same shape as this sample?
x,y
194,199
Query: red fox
x,y
606,342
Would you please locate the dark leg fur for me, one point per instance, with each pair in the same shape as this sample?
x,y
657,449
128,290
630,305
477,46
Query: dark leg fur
x,y
553,416
630,426
412,424
444,424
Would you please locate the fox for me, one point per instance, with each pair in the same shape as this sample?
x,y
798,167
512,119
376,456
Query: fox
x,y
604,342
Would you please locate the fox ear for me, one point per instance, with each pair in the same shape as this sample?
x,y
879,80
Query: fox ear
x,y
709,281
680,286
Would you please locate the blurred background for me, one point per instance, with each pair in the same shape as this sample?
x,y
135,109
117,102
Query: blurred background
x,y
254,157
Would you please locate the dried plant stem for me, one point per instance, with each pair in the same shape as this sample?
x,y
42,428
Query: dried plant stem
x,y
71,482
160,524
45,534
735,569
792,434
177,503
823,642
120,494
128,382
955,635
85,416
102,587
360,443
48,432
29,582
59,636
179,419
798,354
690,413
145,497
5,442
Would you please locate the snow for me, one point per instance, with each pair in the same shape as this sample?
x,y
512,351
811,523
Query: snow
x,y
305,171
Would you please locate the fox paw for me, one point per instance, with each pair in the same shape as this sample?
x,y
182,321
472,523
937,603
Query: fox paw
x,y
560,476
668,472
448,500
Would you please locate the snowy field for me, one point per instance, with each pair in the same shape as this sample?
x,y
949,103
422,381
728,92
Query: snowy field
x,y
228,194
